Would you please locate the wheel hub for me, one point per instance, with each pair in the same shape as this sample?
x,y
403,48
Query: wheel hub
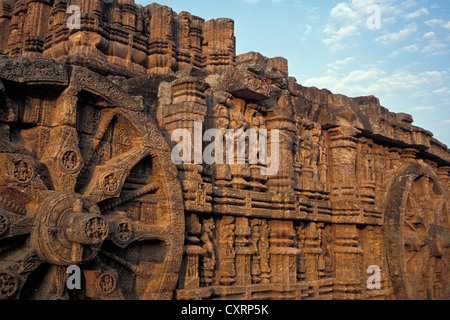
x,y
68,229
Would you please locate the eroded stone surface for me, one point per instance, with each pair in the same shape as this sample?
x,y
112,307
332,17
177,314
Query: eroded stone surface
x,y
86,174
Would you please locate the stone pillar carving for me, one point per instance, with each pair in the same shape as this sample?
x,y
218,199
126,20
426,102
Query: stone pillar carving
x,y
239,167
189,40
347,262
219,44
189,274
372,244
313,254
184,41
35,27
381,174
393,158
220,120
344,188
444,175
195,36
226,251
283,257
310,158
366,166
264,252
129,17
5,21
17,26
188,106
282,119
255,240
208,265
256,122
243,252
161,40
408,154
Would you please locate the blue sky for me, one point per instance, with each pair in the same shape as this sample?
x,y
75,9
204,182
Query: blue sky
x,y
405,63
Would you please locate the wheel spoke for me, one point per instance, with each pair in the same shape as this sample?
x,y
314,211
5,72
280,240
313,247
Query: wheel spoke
x,y
124,231
12,225
108,179
413,240
419,215
416,266
14,270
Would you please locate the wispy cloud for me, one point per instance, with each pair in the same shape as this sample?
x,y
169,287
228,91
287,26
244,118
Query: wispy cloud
x,y
382,83
424,108
335,37
416,14
400,35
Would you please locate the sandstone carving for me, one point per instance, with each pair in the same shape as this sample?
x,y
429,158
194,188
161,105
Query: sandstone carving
x,y
87,177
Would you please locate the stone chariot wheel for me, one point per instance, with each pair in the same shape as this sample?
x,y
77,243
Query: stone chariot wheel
x,y
417,231
85,179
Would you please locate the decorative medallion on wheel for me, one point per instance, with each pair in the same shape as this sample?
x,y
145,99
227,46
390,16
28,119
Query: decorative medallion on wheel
x,y
417,230
85,179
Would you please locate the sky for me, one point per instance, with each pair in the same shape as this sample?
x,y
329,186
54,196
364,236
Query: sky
x,y
396,50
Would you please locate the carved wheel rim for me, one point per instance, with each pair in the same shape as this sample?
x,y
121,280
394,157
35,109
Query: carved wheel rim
x,y
417,231
90,195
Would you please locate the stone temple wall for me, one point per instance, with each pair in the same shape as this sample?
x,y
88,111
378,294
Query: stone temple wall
x,y
87,178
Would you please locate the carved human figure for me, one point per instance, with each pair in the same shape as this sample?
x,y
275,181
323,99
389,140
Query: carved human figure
x,y
306,147
254,246
69,160
237,118
209,259
222,117
368,165
315,151
227,254
184,40
22,171
322,163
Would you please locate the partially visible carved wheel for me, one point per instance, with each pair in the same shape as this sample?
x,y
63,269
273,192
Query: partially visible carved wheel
x,y
417,225
84,181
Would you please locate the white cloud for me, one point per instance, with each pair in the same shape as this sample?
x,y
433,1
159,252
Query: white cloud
x,y
416,14
442,91
411,48
344,11
381,83
336,37
349,18
339,64
434,22
394,54
424,108
429,35
398,36
435,47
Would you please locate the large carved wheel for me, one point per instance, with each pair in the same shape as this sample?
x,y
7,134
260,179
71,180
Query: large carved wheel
x,y
417,230
85,179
